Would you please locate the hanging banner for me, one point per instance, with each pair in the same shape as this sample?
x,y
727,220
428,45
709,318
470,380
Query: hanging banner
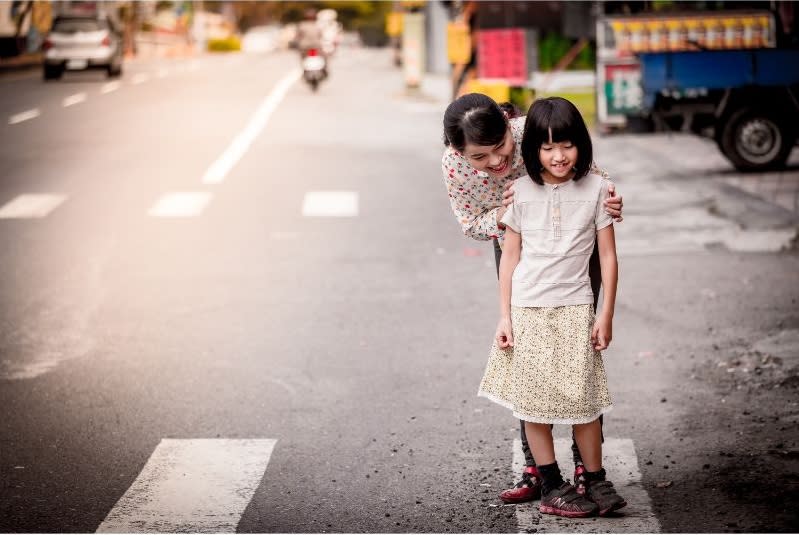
x,y
394,24
459,43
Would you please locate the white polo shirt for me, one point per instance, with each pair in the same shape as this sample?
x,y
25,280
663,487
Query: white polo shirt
x,y
558,224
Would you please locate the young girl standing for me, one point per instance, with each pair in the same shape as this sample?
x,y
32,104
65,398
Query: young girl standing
x,y
482,161
545,363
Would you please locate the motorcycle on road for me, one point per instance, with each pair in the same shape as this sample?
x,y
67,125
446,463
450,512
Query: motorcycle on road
x,y
314,68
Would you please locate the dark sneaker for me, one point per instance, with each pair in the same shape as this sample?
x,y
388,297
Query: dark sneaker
x,y
579,479
564,501
526,490
604,496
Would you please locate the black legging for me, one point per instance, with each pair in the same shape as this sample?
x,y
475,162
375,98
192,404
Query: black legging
x,y
595,274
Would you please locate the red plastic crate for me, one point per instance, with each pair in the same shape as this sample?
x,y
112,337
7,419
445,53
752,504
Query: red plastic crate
x,y
502,54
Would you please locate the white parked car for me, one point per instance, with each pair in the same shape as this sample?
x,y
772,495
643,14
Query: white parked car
x,y
82,42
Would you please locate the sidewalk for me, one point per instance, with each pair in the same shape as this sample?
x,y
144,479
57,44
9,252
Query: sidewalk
x,y
21,63
148,46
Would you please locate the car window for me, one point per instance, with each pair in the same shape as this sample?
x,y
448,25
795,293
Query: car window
x,y
79,25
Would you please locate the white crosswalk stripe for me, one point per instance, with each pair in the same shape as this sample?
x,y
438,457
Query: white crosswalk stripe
x,y
621,463
31,205
71,100
110,87
140,78
181,204
192,486
24,116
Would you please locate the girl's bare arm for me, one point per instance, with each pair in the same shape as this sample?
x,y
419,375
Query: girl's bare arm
x,y
511,253
603,328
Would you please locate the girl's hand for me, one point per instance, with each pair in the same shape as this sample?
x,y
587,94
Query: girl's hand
x,y
602,333
504,334
613,204
507,195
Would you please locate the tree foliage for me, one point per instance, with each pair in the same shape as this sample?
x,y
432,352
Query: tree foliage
x,y
353,15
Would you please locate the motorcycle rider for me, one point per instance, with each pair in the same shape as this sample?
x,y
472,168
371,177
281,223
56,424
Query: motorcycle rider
x,y
309,36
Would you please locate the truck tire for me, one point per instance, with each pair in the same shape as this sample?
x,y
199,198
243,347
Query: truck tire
x,y
754,139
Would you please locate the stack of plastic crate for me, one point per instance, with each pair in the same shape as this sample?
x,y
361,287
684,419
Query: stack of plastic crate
x,y
502,55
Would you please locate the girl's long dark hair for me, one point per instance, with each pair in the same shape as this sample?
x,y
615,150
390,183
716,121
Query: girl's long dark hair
x,y
563,119
476,118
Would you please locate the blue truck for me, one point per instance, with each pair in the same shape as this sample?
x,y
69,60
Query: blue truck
x,y
747,100
729,74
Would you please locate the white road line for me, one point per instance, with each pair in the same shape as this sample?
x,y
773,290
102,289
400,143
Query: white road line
x,y
140,78
197,486
71,100
163,72
31,205
621,464
180,204
110,86
24,116
218,171
330,204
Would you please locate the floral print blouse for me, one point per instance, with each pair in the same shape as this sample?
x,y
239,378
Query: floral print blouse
x,y
475,196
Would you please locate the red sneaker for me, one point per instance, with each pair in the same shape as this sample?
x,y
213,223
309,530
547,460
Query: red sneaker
x,y
605,496
526,490
564,501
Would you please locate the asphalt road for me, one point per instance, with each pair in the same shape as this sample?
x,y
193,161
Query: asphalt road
x,y
353,341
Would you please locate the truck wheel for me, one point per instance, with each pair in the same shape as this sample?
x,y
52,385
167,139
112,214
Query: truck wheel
x,y
755,140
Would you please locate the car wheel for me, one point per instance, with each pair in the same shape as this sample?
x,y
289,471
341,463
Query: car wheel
x,y
756,140
114,72
52,72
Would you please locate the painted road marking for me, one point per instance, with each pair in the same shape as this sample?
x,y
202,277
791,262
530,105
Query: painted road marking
x,y
140,78
31,205
330,204
163,72
196,486
180,204
222,166
71,100
621,464
110,86
24,116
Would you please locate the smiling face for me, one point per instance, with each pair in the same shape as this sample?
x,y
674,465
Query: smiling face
x,y
495,160
556,145
558,159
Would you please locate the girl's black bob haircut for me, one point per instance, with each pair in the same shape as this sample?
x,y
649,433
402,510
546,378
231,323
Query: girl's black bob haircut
x,y
563,119
475,118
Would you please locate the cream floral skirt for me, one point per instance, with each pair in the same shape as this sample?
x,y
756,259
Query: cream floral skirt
x,y
552,375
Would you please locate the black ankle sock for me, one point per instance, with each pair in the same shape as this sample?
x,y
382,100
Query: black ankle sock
x,y
595,476
550,473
